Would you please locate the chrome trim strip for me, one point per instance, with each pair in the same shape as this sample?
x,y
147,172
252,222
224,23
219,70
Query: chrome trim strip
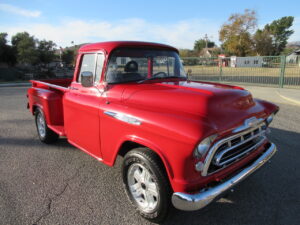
x,y
215,147
51,85
190,202
124,117
112,114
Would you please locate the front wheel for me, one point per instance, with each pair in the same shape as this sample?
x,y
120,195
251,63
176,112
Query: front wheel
x,y
46,135
147,184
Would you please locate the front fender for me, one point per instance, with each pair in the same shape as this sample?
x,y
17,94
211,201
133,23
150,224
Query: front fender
x,y
147,143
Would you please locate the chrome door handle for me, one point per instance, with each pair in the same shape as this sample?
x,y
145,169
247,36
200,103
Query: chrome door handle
x,y
73,88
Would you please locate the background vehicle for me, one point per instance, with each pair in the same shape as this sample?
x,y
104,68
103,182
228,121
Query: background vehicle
x,y
182,141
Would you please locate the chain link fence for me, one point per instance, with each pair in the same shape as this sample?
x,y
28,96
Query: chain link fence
x,y
23,74
273,71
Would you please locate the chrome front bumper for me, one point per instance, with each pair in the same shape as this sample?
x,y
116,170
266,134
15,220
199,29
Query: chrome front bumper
x,y
190,202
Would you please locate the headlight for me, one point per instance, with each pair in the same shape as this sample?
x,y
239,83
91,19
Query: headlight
x,y
204,145
270,119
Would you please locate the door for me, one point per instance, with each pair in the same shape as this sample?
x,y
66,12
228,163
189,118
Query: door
x,y
81,107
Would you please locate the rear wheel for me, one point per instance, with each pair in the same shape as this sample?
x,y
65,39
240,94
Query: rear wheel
x,y
46,135
146,184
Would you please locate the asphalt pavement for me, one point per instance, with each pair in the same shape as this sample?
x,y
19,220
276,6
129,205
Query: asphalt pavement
x,y
59,184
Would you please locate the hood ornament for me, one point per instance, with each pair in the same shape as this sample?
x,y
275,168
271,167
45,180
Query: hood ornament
x,y
248,123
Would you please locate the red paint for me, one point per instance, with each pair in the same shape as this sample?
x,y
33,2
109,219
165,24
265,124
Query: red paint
x,y
176,115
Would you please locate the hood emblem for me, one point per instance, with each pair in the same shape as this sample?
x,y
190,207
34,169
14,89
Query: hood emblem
x,y
251,122
248,123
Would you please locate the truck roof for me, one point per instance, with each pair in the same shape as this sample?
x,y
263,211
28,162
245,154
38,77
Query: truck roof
x,y
111,45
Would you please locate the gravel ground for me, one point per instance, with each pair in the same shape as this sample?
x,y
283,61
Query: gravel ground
x,y
59,184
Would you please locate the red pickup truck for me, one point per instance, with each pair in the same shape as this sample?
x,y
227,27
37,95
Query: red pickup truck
x,y
183,141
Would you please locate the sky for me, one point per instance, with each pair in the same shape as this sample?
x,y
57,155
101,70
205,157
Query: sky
x,y
175,22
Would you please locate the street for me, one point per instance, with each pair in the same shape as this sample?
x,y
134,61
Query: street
x,y
59,184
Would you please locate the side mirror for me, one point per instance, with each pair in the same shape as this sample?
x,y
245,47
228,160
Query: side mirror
x,y
87,79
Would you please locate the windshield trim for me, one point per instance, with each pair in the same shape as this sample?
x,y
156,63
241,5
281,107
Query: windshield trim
x,y
161,78
141,81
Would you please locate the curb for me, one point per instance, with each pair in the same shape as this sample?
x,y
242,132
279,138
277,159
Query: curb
x,y
289,99
15,85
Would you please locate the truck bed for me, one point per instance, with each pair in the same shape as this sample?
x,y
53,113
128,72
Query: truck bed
x,y
48,95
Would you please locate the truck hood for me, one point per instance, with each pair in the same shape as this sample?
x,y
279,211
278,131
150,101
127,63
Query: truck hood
x,y
222,106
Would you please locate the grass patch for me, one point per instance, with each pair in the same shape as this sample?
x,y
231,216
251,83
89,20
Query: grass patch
x,y
243,71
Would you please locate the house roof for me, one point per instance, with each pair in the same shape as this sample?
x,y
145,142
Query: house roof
x,y
111,45
207,51
295,52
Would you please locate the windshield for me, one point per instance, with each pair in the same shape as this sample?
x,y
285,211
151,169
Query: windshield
x,y
129,64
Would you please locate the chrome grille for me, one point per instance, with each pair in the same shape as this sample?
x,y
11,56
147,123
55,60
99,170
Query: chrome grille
x,y
230,154
233,148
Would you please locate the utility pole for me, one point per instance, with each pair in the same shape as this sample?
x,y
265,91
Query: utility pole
x,y
60,55
206,40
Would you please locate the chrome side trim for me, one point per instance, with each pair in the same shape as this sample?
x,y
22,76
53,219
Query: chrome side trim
x,y
112,114
190,202
215,147
50,85
124,117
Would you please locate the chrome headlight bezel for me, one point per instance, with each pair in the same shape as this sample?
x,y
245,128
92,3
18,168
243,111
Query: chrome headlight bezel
x,y
203,147
270,119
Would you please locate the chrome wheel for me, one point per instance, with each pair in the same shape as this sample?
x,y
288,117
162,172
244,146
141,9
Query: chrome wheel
x,y
142,187
41,124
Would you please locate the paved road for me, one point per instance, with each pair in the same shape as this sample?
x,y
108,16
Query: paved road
x,y
59,184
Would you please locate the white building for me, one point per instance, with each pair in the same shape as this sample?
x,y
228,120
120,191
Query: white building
x,y
253,61
294,58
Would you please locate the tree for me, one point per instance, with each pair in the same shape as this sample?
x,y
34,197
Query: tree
x,y
236,33
68,56
46,51
280,32
187,53
25,46
3,41
262,41
3,44
201,43
7,53
272,40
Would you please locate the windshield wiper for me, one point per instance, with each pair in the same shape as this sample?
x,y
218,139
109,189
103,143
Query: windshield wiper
x,y
154,78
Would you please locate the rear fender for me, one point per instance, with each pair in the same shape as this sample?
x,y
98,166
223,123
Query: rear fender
x,y
48,101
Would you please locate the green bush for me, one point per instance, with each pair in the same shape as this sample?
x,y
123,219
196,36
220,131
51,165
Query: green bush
x,y
9,74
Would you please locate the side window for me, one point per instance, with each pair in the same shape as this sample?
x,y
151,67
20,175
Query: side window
x,y
88,64
99,67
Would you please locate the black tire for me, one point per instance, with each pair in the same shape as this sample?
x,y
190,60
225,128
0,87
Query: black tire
x,y
48,136
151,162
